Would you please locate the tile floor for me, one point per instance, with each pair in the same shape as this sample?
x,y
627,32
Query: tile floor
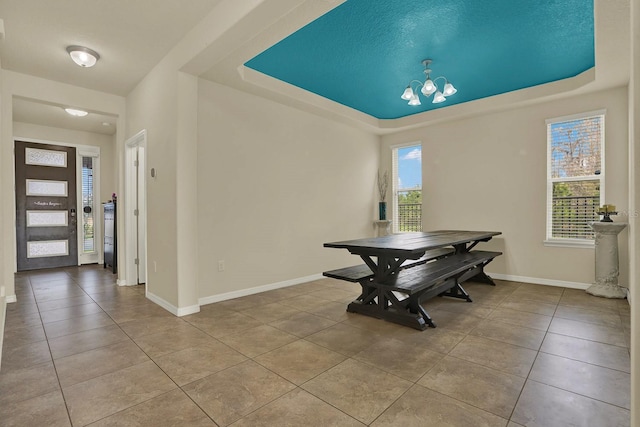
x,y
80,350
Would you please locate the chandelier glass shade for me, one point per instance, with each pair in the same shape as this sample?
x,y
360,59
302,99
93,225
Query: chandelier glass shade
x,y
428,88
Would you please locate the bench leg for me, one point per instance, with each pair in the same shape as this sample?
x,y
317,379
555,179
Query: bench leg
x,y
457,292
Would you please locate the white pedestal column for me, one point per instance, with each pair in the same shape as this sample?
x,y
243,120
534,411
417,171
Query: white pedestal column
x,y
607,268
383,227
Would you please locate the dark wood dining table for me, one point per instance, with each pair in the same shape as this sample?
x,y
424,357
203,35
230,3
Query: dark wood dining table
x,y
386,256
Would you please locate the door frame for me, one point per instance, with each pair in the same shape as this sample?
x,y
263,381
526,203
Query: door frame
x,y
134,185
81,151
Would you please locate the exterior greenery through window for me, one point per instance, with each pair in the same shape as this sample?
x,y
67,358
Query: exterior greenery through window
x,y
575,175
407,188
88,237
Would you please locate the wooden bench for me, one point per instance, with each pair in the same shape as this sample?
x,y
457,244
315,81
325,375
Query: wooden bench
x,y
417,284
361,272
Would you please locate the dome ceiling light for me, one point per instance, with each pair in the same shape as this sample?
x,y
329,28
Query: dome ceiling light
x,y
83,56
75,112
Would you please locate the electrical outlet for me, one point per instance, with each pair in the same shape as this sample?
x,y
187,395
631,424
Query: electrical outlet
x,y
221,265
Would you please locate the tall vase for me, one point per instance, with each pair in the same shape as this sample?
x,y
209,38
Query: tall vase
x,y
382,209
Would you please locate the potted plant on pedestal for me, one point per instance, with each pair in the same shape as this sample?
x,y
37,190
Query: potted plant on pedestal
x,y
383,184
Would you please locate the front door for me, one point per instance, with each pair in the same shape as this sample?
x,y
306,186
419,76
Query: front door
x,y
45,206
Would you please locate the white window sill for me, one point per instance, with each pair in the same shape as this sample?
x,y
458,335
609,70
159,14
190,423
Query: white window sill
x,y
570,243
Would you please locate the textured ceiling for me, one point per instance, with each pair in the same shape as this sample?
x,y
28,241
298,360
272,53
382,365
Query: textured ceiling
x,y
363,53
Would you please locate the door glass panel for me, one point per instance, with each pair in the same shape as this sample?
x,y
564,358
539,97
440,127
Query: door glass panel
x,y
88,238
36,187
47,218
47,248
35,156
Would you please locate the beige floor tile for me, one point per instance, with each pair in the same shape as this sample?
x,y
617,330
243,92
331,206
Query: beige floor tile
x,y
170,409
357,389
150,325
71,312
521,318
503,357
270,312
229,395
464,307
335,294
581,299
137,312
458,322
194,363
44,410
536,297
94,363
300,361
541,405
63,303
335,311
530,307
589,316
482,387
421,407
255,300
588,331
258,340
606,385
178,338
302,324
25,355
344,339
400,358
438,339
508,333
298,408
221,326
71,291
85,341
21,320
305,302
605,355
16,337
72,326
22,384
100,397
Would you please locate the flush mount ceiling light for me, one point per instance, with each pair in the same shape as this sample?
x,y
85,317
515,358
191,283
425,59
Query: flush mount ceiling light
x,y
75,112
429,87
83,56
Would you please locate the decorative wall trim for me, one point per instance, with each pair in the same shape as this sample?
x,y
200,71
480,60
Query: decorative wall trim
x,y
256,290
182,311
540,281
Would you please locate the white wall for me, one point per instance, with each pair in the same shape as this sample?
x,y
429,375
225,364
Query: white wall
x,y
488,172
274,184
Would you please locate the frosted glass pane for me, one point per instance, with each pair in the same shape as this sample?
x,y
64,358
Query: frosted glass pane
x,y
35,156
47,248
37,187
47,218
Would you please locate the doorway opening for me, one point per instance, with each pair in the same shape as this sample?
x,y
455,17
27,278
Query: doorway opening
x,y
135,210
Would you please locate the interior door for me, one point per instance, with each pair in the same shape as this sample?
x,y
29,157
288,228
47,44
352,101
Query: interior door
x,y
46,214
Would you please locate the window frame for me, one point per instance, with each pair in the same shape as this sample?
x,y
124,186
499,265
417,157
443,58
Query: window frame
x,y
395,225
573,242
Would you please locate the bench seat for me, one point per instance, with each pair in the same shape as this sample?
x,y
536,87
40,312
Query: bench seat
x,y
399,297
363,272
413,280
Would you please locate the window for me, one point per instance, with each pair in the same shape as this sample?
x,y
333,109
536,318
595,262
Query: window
x,y
88,235
575,177
407,188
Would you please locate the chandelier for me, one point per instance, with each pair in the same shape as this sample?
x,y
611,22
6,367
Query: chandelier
x,y
429,87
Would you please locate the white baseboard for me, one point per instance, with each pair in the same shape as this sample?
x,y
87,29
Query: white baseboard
x,y
11,298
540,281
256,290
629,296
182,311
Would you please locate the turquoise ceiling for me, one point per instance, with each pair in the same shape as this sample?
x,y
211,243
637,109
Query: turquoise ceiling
x,y
363,53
